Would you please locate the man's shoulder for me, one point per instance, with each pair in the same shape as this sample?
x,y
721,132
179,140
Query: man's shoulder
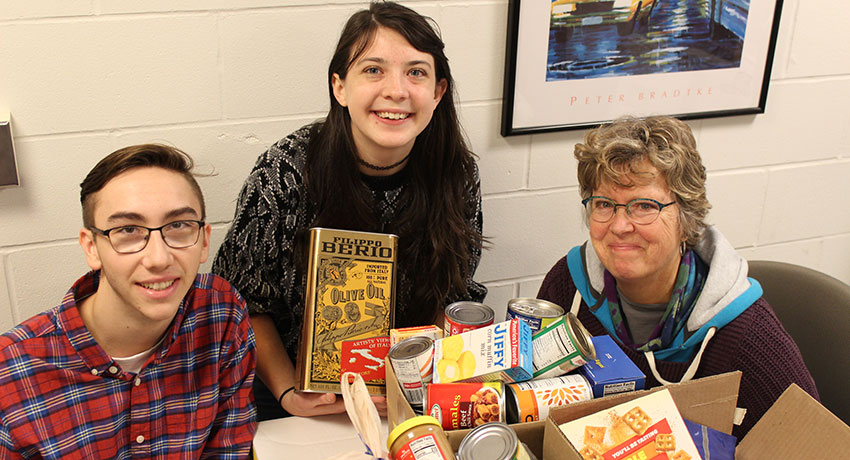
x,y
213,291
38,326
30,341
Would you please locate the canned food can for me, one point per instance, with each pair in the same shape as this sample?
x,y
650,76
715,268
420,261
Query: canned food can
x,y
419,438
465,405
413,363
537,313
493,441
466,316
530,401
561,347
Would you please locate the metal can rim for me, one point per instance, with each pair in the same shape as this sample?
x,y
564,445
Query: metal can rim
x,y
556,310
466,450
582,337
395,350
451,313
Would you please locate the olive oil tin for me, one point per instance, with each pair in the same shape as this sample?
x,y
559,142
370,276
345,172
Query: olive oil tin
x,y
537,313
349,309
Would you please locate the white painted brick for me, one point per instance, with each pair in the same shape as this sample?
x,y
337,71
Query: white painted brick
x,y
806,253
502,160
219,231
737,201
820,39
135,6
806,202
46,206
12,9
475,39
835,260
498,295
783,40
785,133
228,149
552,160
276,62
41,276
99,74
530,288
828,255
529,233
7,321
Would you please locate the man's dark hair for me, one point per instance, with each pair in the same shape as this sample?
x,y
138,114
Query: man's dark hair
x,y
136,156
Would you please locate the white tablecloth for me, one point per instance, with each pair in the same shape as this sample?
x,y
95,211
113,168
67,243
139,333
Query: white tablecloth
x,y
317,438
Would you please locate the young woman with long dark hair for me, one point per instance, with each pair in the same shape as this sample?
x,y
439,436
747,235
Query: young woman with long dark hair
x,y
389,157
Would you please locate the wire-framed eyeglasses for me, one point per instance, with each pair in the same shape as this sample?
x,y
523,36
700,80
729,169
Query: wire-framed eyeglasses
x,y
641,211
129,239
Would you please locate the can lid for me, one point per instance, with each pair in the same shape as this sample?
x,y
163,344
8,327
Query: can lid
x,y
493,441
538,308
410,347
471,313
582,337
408,424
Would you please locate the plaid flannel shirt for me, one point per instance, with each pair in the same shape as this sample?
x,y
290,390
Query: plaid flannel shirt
x,y
62,396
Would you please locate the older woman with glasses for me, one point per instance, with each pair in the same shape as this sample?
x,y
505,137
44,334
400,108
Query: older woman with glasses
x,y
669,289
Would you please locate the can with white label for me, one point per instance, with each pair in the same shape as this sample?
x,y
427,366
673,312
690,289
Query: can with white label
x,y
413,363
561,347
537,313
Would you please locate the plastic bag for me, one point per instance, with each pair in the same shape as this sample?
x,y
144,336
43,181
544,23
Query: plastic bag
x,y
364,416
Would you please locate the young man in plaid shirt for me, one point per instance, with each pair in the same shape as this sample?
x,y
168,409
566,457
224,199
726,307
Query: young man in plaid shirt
x,y
144,358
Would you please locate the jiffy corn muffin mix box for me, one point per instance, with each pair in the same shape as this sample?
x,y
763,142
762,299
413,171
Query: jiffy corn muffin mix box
x,y
499,352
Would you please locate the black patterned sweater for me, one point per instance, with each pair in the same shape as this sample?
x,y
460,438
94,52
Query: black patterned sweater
x,y
256,256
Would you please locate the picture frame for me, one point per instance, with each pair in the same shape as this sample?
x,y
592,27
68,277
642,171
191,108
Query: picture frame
x,y
574,64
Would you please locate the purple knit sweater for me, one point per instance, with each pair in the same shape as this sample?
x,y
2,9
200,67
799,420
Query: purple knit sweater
x,y
755,343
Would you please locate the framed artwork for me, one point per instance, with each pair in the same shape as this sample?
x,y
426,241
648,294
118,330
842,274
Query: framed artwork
x,y
573,64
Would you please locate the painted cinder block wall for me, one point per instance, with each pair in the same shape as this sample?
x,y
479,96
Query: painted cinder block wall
x,y
224,79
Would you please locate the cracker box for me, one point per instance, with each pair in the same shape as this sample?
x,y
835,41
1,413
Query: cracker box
x,y
649,427
349,306
499,352
612,372
430,331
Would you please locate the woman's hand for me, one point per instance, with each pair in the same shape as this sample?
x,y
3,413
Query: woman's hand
x,y
380,404
306,404
311,404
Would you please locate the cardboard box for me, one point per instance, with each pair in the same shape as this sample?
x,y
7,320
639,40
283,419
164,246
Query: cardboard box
x,y
795,427
612,372
398,410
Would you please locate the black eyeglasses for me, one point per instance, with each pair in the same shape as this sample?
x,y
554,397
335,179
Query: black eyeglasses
x,y
640,210
129,239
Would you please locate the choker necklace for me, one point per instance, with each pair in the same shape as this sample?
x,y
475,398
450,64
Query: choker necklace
x,y
381,168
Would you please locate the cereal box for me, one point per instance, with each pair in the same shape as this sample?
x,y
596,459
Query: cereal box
x,y
348,312
499,352
645,428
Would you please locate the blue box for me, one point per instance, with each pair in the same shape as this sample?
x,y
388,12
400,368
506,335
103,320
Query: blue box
x,y
613,371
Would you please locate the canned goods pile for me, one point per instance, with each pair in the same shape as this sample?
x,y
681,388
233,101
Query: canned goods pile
x,y
483,374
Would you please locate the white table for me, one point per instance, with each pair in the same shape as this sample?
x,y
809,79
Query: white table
x,y
317,438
